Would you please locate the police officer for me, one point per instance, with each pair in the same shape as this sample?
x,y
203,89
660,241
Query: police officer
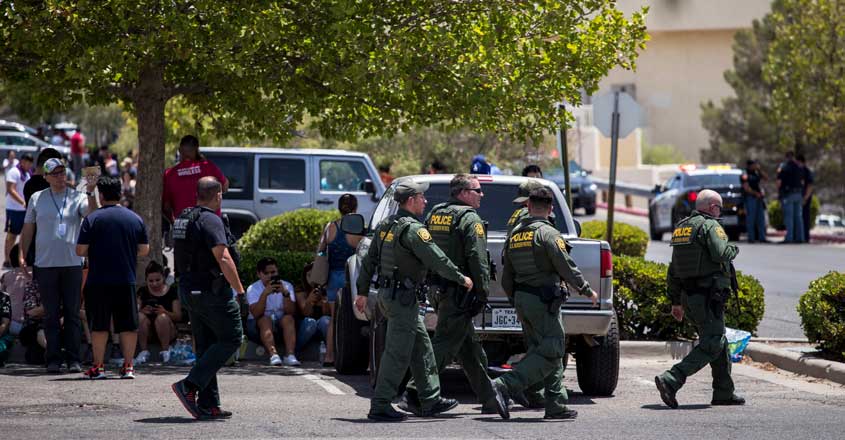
x,y
699,283
521,213
457,229
536,260
401,253
207,275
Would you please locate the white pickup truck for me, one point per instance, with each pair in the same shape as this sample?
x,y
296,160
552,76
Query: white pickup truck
x,y
591,331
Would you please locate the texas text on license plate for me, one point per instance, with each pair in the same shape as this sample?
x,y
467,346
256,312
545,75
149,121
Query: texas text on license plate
x,y
505,318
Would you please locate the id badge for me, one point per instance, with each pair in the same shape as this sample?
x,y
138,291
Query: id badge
x,y
61,230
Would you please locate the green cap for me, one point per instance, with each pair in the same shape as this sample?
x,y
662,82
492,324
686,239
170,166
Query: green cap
x,y
408,188
525,189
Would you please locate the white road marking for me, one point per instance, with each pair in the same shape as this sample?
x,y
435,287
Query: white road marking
x,y
328,386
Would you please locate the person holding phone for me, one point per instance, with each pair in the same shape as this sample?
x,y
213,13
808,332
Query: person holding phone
x,y
271,312
159,309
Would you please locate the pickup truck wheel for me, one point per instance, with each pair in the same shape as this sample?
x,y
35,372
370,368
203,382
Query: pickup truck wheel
x,y
378,335
350,348
598,367
590,210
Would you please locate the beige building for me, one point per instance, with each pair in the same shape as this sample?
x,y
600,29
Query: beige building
x,y
683,65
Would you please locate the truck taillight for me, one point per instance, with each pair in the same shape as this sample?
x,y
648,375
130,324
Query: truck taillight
x,y
606,263
692,196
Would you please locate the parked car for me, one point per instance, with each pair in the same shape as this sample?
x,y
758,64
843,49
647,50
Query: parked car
x,y
830,224
265,182
591,331
23,142
583,187
16,126
675,199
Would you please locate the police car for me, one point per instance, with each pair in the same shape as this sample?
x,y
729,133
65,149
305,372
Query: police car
x,y
675,199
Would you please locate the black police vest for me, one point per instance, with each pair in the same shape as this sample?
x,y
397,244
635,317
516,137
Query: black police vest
x,y
442,223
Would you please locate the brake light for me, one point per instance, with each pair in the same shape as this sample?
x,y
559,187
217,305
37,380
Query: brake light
x,y
692,196
606,263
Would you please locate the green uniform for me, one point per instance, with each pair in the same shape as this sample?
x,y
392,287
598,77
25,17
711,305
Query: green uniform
x,y
536,258
402,252
699,279
458,230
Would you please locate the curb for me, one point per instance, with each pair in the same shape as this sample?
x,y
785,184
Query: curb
x,y
758,351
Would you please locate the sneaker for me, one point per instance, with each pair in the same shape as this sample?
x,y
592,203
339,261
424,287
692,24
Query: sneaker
x,y
666,392
387,415
142,358
165,356
292,361
96,372
188,398
275,360
214,413
74,367
127,372
566,414
54,368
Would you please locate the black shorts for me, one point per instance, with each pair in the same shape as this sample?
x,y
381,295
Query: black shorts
x,y
104,302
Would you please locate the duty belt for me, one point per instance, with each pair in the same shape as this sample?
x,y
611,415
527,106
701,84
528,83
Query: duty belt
x,y
692,287
538,291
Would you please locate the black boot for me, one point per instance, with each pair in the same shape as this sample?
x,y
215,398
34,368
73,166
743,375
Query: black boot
x,y
666,392
734,400
501,399
387,415
440,407
411,403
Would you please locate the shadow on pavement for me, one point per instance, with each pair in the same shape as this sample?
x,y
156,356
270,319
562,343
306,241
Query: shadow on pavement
x,y
174,420
659,407
410,420
520,420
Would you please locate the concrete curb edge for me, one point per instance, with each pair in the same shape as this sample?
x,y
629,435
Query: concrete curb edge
x,y
759,352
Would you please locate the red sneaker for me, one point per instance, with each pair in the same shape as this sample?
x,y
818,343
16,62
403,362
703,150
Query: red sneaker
x,y
95,372
127,372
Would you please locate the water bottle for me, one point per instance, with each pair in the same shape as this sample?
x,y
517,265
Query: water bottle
x,y
322,351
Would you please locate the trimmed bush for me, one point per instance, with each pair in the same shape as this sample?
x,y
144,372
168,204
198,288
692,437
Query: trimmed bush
x,y
776,213
643,308
290,238
627,239
822,310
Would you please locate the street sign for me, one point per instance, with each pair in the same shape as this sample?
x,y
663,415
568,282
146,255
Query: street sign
x,y
630,114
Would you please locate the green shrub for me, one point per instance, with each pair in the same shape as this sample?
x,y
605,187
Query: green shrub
x,y
627,239
290,238
643,308
776,213
822,310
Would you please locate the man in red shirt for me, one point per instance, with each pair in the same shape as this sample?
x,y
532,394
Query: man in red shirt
x,y
180,181
77,149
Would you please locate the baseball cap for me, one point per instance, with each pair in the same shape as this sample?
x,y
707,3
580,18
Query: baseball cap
x,y
525,189
408,188
52,164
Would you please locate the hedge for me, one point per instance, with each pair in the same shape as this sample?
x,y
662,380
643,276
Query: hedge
x,y
822,311
290,238
643,308
776,213
627,239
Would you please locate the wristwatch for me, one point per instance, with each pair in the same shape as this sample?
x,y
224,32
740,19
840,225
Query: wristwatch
x,y
89,193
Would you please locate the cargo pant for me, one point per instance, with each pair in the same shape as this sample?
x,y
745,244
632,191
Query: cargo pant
x,y
712,348
455,337
406,345
543,362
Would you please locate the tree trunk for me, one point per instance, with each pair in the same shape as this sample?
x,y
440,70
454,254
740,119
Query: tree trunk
x,y
149,100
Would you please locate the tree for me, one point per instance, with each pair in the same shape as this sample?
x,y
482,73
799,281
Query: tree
x,y
805,66
359,68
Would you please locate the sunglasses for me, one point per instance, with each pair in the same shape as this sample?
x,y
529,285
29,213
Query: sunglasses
x,y
476,190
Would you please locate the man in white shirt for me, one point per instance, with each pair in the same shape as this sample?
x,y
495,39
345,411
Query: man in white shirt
x,y
16,178
271,309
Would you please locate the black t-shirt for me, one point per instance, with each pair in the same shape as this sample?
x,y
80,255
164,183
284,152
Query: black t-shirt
x,y
202,235
113,234
809,179
35,183
753,180
790,175
166,300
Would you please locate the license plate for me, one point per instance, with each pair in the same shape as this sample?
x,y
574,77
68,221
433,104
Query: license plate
x,y
505,318
730,220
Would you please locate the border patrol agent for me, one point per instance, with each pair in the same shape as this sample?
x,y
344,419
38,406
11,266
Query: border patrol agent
x,y
536,260
699,283
207,274
401,253
458,230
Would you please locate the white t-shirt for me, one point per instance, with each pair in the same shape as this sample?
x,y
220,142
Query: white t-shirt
x,y
14,176
275,301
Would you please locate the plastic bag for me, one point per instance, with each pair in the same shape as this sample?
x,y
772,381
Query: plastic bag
x,y
181,353
737,341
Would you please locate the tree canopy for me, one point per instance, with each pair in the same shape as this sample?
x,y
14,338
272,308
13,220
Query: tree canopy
x,y
359,68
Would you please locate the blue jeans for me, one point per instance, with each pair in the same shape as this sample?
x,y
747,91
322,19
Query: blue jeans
x,y
793,217
308,328
755,219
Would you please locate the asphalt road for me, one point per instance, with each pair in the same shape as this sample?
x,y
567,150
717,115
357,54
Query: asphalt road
x,y
281,402
785,272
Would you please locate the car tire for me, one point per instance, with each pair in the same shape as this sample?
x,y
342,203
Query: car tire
x,y
378,336
652,229
350,347
598,367
590,210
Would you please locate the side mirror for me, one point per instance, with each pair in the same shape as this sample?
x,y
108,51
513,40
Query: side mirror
x,y
657,189
577,227
370,188
353,224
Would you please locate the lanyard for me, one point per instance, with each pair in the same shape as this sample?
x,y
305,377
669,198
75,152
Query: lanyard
x,y
61,211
